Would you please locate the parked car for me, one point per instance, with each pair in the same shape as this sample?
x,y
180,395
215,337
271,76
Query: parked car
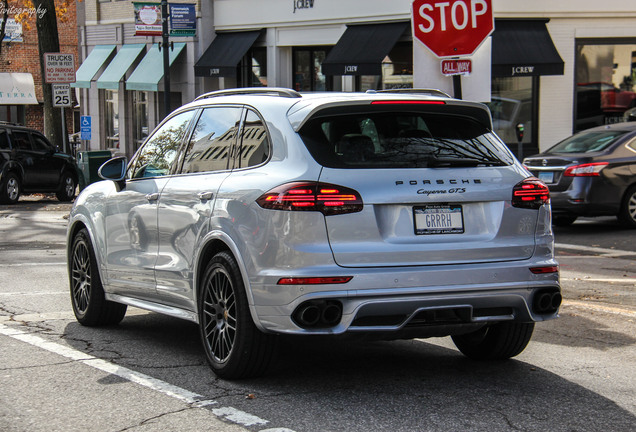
x,y
260,212
29,163
592,173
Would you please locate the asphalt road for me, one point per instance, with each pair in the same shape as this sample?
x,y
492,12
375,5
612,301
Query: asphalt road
x,y
149,372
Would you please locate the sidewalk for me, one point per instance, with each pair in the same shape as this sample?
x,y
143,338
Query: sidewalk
x,y
39,201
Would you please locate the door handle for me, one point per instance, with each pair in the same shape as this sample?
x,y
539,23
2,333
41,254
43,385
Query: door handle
x,y
152,197
205,196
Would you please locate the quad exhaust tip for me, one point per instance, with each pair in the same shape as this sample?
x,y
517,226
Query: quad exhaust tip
x,y
318,314
546,301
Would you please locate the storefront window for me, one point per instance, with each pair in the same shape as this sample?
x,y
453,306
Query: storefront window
x,y
111,118
605,75
140,118
12,113
253,68
397,71
308,74
510,106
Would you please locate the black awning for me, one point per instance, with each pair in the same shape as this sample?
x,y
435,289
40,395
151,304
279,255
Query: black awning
x,y
362,48
524,48
224,54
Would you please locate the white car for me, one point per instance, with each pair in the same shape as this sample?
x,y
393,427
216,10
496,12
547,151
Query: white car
x,y
259,212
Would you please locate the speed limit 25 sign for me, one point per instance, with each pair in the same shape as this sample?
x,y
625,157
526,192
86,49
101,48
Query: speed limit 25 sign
x,y
452,28
61,95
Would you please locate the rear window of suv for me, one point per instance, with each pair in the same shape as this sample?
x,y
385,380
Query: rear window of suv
x,y
401,140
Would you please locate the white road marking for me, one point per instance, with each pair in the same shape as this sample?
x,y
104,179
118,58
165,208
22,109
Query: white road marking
x,y
601,308
598,250
195,400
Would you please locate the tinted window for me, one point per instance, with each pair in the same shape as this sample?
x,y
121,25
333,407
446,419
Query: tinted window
x,y
587,142
401,140
160,151
40,144
212,139
254,145
20,140
4,139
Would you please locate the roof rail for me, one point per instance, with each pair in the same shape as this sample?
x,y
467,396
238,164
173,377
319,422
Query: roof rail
x,y
8,123
271,91
424,91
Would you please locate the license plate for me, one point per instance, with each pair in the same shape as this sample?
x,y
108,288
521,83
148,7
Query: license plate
x,y
438,219
546,176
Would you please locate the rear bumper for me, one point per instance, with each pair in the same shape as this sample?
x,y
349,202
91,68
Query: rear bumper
x,y
397,300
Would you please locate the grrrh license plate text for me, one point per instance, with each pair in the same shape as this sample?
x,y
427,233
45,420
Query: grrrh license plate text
x,y
438,219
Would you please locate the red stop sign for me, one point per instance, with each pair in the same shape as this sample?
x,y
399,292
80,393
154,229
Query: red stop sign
x,y
452,28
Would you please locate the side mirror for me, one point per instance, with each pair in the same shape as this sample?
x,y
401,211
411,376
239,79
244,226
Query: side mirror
x,y
114,169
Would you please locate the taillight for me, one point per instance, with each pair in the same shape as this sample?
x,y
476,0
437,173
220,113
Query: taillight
x,y
585,170
530,193
326,198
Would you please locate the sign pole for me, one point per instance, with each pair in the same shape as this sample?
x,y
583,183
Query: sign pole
x,y
166,57
457,86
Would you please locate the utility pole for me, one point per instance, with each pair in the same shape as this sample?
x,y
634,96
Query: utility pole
x,y
166,56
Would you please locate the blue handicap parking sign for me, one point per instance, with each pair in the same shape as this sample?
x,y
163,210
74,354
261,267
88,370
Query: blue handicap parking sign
x,y
85,127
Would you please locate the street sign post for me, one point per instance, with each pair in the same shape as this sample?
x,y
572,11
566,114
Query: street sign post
x,y
85,128
452,28
61,95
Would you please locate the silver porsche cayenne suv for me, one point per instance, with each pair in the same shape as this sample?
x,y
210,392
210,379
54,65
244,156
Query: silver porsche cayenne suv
x,y
261,212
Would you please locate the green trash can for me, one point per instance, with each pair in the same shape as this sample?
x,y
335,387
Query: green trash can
x,y
88,163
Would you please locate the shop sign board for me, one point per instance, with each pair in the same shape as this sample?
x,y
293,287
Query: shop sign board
x,y
452,28
59,68
451,67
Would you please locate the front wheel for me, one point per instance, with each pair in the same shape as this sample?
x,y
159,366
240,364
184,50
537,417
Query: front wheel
x,y
495,342
11,189
87,294
627,214
233,346
66,191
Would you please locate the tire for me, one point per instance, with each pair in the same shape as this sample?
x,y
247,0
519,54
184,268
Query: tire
x,y
495,342
563,220
233,346
66,192
10,189
87,294
627,213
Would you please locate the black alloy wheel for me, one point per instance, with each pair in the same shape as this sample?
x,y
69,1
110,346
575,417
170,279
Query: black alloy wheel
x,y
234,347
87,294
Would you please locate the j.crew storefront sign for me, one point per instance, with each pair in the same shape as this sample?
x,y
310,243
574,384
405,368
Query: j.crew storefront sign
x,y
303,4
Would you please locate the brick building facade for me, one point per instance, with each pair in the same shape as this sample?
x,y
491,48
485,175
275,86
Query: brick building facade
x,y
22,56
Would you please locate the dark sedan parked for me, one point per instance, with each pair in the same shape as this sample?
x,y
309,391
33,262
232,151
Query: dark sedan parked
x,y
592,173
30,163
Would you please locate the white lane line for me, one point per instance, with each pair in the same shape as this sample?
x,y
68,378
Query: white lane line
x,y
195,400
625,280
599,250
63,264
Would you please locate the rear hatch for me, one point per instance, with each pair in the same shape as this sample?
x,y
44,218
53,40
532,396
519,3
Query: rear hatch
x,y
436,186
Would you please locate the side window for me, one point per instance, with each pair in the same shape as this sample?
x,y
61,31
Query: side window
x,y
254,145
160,151
20,140
212,140
4,140
40,144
